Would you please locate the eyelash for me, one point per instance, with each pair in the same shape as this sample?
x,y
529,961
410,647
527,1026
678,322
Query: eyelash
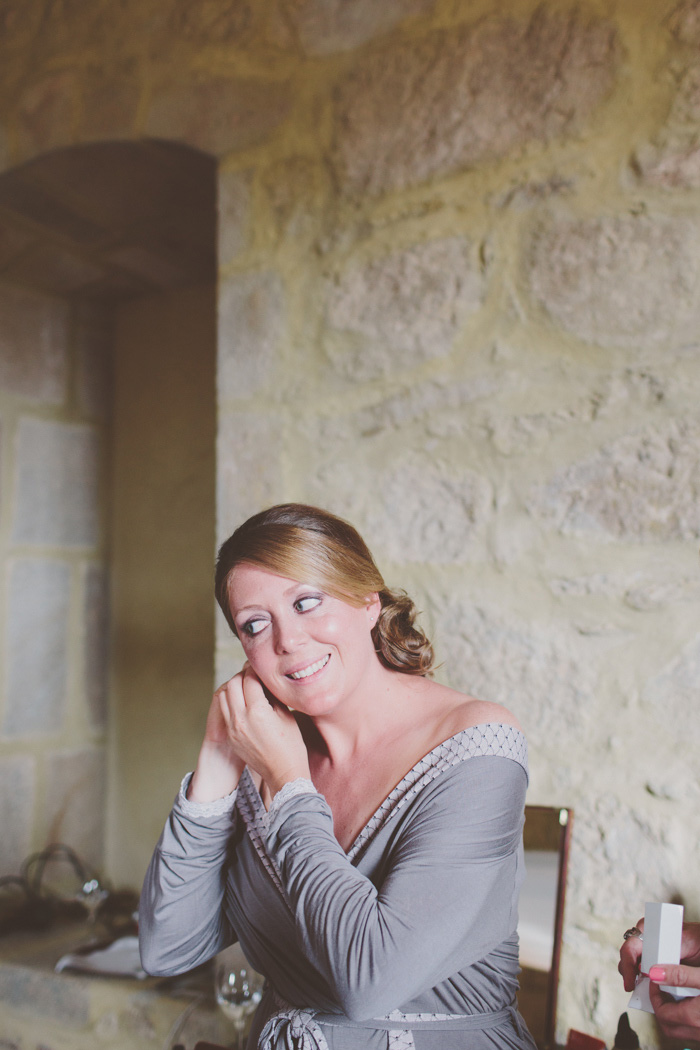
x,y
317,598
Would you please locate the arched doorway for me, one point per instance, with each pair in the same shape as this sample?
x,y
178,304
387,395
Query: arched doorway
x,y
107,426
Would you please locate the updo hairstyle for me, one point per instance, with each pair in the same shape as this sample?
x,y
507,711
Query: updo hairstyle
x,y
313,546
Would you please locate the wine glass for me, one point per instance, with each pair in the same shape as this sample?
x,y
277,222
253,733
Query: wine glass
x,y
238,990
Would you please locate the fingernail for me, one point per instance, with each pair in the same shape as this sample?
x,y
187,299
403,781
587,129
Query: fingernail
x,y
657,973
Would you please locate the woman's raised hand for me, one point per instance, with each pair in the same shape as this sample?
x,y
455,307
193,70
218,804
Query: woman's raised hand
x,y
245,728
262,732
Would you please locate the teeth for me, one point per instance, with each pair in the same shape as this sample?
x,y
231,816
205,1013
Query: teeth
x,y
311,669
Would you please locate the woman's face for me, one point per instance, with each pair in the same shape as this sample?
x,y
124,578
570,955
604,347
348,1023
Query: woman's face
x,y
311,651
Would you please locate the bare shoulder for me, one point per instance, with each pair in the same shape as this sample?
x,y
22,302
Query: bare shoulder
x,y
459,711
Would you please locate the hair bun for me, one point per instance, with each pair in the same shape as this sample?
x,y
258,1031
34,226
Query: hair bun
x,y
400,644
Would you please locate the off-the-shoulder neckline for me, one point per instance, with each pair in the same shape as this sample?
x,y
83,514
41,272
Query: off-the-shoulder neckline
x,y
442,756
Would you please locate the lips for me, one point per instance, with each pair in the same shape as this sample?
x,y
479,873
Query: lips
x,y
306,672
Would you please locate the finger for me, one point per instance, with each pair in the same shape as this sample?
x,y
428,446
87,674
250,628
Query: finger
x,y
678,1019
253,689
676,976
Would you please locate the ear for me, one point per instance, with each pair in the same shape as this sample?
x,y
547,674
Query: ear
x,y
374,607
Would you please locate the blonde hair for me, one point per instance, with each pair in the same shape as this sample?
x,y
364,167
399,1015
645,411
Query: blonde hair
x,y
311,545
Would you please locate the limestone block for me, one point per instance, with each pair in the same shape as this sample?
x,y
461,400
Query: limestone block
x,y
438,407
296,195
461,97
403,309
672,696
644,486
541,672
685,22
96,642
672,159
422,511
36,646
625,281
219,115
328,26
45,114
16,811
251,326
608,831
75,802
109,103
57,484
234,214
209,21
249,467
94,344
33,344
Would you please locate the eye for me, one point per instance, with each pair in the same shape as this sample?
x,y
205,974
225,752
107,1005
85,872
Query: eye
x,y
303,605
254,627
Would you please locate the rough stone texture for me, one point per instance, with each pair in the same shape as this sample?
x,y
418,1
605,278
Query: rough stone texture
x,y
219,115
96,640
439,407
328,26
643,487
234,214
209,21
403,309
417,509
685,22
45,114
442,517
16,811
295,193
33,344
608,832
672,159
675,692
625,281
251,326
110,103
75,803
93,340
249,467
536,670
461,97
36,647
57,484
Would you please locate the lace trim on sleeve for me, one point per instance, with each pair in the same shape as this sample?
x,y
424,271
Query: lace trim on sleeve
x,y
300,786
196,810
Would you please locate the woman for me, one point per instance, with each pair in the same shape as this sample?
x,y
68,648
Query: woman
x,y
355,825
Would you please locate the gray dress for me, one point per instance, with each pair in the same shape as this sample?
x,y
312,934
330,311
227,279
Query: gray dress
x,y
408,940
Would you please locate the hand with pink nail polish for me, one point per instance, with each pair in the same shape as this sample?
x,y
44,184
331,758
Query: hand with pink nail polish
x,y
677,1020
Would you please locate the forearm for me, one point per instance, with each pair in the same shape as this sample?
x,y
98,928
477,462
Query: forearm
x,y
181,919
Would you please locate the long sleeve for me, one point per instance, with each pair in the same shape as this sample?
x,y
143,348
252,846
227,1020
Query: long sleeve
x,y
447,894
181,918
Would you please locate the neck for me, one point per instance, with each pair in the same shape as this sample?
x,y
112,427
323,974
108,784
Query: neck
x,y
376,711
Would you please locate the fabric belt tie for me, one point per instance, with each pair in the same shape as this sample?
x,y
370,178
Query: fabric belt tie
x,y
293,1029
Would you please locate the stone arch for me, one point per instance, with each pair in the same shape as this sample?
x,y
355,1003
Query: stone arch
x,y
107,257
110,220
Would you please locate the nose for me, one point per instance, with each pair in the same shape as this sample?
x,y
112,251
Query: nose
x,y
288,634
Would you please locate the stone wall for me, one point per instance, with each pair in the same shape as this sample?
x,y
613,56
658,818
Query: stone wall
x,y
54,359
458,302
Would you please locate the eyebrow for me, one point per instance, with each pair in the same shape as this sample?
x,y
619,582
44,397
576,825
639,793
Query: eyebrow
x,y
259,608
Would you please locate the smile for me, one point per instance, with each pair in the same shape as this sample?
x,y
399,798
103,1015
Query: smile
x,y
311,669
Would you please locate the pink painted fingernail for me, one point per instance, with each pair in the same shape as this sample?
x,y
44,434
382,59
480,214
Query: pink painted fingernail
x,y
657,973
